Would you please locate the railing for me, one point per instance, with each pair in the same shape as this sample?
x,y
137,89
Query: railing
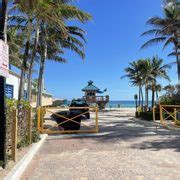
x,y
47,124
169,115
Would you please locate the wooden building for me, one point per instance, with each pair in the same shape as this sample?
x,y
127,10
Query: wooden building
x,y
93,94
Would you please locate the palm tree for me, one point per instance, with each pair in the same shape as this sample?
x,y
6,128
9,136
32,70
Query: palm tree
x,y
67,12
159,70
145,71
166,30
158,89
36,13
52,45
134,74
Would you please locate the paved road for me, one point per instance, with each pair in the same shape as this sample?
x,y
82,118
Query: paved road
x,y
125,149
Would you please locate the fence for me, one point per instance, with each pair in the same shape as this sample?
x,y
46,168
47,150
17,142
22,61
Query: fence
x,y
18,130
55,120
169,115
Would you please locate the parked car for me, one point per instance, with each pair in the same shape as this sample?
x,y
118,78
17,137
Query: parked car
x,y
80,103
70,125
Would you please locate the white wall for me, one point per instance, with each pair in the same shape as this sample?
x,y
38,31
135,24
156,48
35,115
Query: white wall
x,y
13,80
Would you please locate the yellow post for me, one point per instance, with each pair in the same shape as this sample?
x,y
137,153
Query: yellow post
x,y
175,114
97,126
161,114
14,135
154,114
39,118
30,125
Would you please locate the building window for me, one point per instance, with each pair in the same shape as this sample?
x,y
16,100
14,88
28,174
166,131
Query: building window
x,y
9,91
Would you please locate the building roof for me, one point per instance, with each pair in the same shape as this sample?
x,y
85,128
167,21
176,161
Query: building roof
x,y
91,87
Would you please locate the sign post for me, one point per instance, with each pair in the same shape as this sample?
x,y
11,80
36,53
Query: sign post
x,y
3,70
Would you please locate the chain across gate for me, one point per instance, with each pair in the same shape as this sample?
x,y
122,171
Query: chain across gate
x,y
51,120
169,115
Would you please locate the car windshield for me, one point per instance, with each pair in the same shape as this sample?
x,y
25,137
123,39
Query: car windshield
x,y
78,102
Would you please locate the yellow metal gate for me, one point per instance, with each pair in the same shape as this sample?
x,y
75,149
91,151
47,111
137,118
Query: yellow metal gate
x,y
169,115
50,125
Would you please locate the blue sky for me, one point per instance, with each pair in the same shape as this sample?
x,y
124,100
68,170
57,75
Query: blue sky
x,y
113,40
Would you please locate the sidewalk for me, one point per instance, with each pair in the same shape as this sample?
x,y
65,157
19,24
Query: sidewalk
x,y
126,149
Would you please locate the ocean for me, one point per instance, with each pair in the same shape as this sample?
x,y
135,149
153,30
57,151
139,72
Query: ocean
x,y
116,104
122,104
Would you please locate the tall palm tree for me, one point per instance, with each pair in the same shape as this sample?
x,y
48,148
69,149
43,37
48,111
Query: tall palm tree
x,y
158,89
166,30
134,74
145,71
53,12
52,45
67,12
159,70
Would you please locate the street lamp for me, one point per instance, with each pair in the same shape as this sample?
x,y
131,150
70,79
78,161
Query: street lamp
x,y
3,8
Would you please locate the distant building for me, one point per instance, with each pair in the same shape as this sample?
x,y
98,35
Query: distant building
x,y
90,95
12,90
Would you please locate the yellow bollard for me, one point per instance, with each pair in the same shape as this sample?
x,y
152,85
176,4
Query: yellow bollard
x,y
161,115
39,118
30,125
154,113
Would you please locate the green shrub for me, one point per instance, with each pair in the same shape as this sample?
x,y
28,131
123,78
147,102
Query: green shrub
x,y
35,135
22,123
147,115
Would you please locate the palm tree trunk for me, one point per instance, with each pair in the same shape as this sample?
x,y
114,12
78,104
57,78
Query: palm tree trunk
x,y
178,68
146,96
157,96
142,96
24,63
36,41
41,75
153,93
5,27
23,70
139,96
177,45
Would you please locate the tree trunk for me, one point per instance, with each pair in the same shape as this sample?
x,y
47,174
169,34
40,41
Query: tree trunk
x,y
41,75
36,41
23,70
157,96
177,51
5,27
25,59
153,93
178,68
139,96
146,96
142,100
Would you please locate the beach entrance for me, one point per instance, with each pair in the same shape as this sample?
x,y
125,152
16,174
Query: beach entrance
x,y
58,120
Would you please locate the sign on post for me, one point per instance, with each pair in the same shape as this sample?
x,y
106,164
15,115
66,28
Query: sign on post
x,y
4,59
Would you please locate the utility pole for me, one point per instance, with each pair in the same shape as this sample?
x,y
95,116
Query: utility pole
x,y
3,8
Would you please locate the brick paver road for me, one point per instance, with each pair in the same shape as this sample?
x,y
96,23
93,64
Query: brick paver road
x,y
127,150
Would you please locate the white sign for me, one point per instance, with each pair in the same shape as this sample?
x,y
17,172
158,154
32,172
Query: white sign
x,y
4,59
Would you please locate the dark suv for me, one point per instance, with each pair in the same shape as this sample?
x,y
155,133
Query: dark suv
x,y
70,125
80,103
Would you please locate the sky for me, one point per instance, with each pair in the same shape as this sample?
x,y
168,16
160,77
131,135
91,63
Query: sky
x,y
113,40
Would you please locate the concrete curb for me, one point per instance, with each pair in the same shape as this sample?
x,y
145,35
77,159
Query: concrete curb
x,y
20,167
